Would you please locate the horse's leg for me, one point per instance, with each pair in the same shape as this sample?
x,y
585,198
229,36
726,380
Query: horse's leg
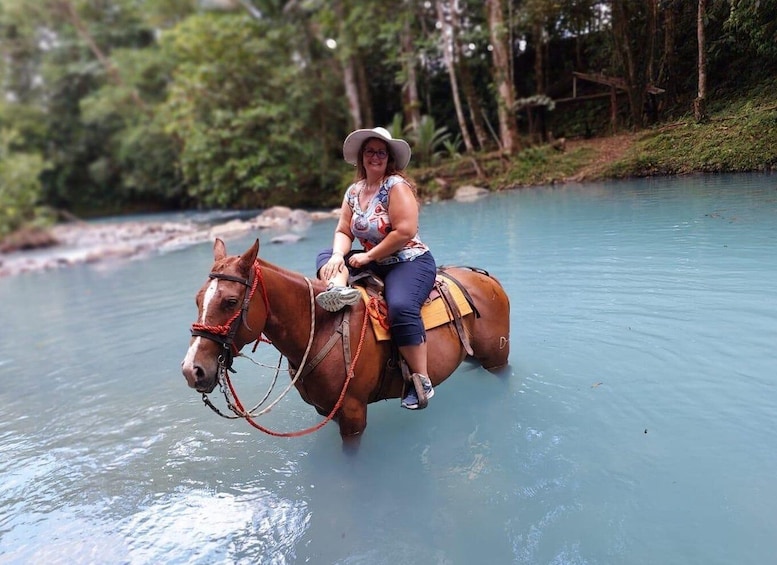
x,y
352,419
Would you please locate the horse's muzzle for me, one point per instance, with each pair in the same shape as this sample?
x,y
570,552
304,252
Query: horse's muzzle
x,y
207,389
197,378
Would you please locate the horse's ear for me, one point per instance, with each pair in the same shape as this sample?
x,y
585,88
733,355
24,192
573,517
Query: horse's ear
x,y
219,250
248,258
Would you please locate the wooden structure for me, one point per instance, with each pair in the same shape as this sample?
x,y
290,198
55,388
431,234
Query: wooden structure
x,y
615,84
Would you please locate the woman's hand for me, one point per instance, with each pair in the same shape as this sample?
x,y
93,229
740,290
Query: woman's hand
x,y
332,267
359,260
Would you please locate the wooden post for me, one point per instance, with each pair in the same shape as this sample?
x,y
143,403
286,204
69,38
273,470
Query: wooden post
x,y
613,109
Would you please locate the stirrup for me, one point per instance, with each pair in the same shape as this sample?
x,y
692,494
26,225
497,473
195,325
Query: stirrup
x,y
411,401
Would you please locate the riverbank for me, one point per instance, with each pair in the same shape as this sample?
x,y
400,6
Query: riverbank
x,y
78,243
75,243
740,135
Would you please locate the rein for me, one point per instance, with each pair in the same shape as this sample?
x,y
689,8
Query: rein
x,y
225,335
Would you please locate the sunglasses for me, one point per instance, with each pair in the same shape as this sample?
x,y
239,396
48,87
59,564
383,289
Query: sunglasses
x,y
380,153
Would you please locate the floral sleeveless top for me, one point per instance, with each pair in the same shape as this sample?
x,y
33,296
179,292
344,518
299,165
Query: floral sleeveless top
x,y
371,225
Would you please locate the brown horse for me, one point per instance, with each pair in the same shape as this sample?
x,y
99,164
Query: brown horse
x,y
345,367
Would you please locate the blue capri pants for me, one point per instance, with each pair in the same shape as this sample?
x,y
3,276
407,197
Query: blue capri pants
x,y
408,284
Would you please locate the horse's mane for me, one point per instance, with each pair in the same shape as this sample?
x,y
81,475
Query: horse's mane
x,y
281,271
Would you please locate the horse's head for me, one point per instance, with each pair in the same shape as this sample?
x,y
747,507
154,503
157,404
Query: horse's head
x,y
224,324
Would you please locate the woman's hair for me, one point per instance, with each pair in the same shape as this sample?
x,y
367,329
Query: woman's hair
x,y
391,166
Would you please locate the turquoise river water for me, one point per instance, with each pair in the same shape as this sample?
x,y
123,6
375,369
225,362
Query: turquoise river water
x,y
637,423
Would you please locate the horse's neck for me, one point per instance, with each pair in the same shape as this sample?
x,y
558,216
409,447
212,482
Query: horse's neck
x,y
290,299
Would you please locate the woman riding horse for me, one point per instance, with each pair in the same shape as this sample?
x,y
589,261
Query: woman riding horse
x,y
380,208
339,365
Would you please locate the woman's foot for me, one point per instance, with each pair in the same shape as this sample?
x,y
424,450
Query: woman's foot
x,y
411,398
336,298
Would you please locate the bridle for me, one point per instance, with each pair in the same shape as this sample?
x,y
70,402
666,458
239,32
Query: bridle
x,y
224,334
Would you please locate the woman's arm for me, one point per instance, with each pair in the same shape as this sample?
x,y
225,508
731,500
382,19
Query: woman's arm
x,y
343,238
341,244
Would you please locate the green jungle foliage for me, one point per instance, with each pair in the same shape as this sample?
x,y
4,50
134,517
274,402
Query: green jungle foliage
x,y
20,187
127,105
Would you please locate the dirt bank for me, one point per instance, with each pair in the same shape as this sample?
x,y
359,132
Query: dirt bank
x,y
606,150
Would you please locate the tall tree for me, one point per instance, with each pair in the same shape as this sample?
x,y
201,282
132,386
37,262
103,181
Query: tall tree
x,y
633,28
502,65
700,102
465,70
668,61
20,51
539,17
353,30
448,41
411,102
353,82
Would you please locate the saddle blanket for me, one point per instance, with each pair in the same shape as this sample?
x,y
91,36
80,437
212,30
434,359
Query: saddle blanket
x,y
435,311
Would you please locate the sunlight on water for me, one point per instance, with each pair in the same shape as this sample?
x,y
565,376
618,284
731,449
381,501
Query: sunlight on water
x,y
637,423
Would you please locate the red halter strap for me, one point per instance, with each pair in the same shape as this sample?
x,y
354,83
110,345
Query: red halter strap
x,y
225,333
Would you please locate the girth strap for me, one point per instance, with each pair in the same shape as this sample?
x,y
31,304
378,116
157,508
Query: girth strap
x,y
343,332
455,314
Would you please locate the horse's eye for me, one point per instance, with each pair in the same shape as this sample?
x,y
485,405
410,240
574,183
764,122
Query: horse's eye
x,y
230,303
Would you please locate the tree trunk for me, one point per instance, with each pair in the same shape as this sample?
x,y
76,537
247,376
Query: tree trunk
x,y
448,40
410,100
667,67
502,61
465,78
350,73
539,63
365,99
700,104
352,92
652,38
633,26
473,103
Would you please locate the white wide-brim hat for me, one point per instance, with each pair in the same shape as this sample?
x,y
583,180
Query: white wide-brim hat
x,y
399,147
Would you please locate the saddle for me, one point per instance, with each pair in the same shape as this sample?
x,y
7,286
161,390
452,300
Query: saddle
x,y
448,302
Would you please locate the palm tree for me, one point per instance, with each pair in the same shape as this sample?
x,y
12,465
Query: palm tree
x,y
427,140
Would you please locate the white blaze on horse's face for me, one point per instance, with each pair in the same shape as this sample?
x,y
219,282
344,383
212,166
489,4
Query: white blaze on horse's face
x,y
188,361
209,294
